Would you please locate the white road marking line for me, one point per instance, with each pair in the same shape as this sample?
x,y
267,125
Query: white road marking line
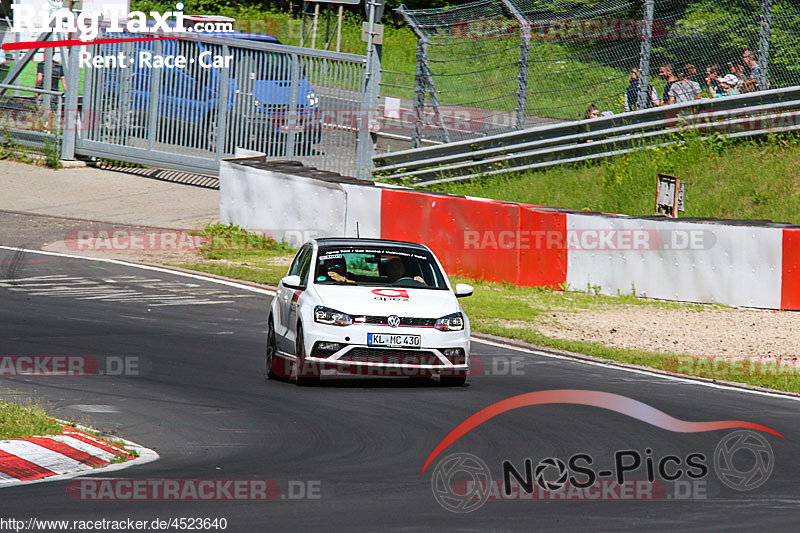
x,y
89,408
171,293
84,447
241,286
55,462
637,371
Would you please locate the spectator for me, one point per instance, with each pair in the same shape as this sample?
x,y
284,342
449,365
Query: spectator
x,y
750,60
667,72
57,74
729,84
712,75
591,112
684,90
737,70
632,92
749,86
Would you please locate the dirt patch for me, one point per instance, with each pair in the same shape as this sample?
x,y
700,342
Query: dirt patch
x,y
717,332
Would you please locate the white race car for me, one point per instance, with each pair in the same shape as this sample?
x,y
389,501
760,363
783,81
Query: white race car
x,y
367,307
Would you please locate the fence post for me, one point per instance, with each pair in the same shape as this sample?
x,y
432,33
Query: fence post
x,y
154,100
437,112
369,102
292,121
71,121
524,56
423,79
644,54
419,93
763,44
223,105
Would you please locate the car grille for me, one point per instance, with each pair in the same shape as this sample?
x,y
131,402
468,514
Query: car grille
x,y
392,357
404,321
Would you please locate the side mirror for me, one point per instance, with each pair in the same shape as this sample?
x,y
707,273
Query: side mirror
x,y
463,290
292,282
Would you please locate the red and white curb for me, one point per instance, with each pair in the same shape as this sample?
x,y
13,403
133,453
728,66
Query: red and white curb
x,y
73,452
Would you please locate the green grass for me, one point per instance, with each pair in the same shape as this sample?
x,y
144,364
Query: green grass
x,y
499,309
27,78
242,255
744,180
19,420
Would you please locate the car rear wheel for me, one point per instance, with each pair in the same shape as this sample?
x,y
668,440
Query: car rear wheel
x,y
306,374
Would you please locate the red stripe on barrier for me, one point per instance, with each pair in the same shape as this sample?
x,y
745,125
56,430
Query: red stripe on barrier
x,y
69,451
542,248
790,282
472,238
21,469
495,241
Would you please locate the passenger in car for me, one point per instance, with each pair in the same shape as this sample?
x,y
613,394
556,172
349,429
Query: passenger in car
x,y
337,271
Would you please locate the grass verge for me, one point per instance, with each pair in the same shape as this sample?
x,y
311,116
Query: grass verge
x,y
745,180
20,420
495,308
233,252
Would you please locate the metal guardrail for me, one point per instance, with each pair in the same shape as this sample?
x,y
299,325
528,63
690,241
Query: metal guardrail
x,y
25,120
569,142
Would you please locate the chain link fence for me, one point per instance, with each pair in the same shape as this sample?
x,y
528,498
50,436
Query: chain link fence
x,y
494,66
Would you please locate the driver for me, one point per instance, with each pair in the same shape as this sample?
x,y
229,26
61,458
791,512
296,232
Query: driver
x,y
395,270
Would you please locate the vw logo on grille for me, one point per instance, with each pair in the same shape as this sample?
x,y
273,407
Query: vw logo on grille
x,y
393,321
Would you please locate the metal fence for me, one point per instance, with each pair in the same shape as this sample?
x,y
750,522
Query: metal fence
x,y
747,115
287,102
510,64
31,117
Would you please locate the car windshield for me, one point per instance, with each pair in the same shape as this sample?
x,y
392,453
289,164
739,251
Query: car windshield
x,y
382,266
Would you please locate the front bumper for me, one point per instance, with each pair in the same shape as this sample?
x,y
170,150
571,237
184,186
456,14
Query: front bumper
x,y
355,356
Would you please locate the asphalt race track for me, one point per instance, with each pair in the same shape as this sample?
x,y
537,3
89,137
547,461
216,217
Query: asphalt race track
x,y
202,402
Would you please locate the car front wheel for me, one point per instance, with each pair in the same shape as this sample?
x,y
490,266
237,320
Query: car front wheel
x,y
307,375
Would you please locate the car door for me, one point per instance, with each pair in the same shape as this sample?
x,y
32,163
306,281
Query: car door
x,y
285,339
304,267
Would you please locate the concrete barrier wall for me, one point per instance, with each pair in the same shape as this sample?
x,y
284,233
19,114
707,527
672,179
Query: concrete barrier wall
x,y
734,265
707,261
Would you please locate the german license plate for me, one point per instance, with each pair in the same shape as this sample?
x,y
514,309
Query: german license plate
x,y
383,339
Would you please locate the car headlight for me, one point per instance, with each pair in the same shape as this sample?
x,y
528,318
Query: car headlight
x,y
332,317
454,322
312,98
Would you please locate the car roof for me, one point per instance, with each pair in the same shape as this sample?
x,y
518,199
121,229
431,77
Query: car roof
x,y
350,241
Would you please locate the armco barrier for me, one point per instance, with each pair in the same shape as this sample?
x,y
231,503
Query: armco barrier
x,y
740,263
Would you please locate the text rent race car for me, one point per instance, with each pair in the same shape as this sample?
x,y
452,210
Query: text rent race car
x,y
369,307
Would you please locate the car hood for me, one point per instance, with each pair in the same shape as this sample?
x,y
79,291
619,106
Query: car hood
x,y
384,301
